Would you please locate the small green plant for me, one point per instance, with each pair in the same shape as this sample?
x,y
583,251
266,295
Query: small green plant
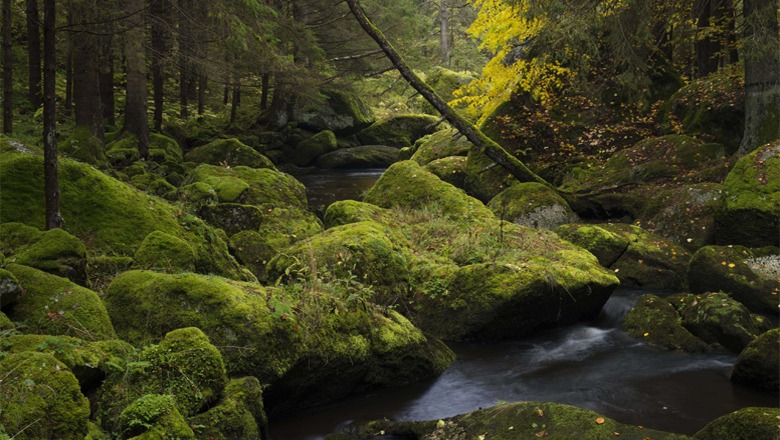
x,y
435,288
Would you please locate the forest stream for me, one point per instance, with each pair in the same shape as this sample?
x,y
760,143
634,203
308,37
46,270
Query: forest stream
x,y
593,365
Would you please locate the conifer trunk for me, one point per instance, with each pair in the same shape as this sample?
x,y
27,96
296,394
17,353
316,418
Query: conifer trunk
x,y
50,172
159,51
136,119
86,71
8,73
107,79
34,53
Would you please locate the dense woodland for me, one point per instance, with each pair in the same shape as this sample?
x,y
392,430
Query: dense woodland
x,y
165,275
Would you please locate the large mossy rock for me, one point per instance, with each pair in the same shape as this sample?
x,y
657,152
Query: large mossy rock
x,y
184,366
533,205
307,152
281,225
444,143
56,306
750,276
745,424
249,186
341,112
151,183
398,131
254,251
114,216
230,153
638,257
713,105
84,147
366,156
41,399
522,420
153,417
308,351
656,321
716,318
55,252
238,416
165,251
747,214
757,365
445,82
406,185
124,149
449,169
483,179
685,215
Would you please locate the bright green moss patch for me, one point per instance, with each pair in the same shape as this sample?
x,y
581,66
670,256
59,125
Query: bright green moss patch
x,y
249,186
152,184
238,416
254,251
165,251
230,153
350,211
449,169
439,145
15,235
84,147
154,417
745,424
58,253
10,289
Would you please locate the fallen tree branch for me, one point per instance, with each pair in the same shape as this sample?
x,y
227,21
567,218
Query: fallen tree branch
x,y
356,57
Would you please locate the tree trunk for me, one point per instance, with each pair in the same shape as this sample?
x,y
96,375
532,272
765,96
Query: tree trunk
x,y
50,175
236,101
202,84
185,52
704,46
264,92
8,73
34,53
86,72
69,65
466,128
226,95
159,52
107,79
136,119
445,42
762,75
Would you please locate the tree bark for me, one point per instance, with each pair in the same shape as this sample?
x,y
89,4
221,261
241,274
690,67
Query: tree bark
x,y
136,119
107,79
236,101
69,65
494,151
159,51
8,73
34,53
445,42
50,172
202,84
264,92
86,72
704,46
185,53
762,75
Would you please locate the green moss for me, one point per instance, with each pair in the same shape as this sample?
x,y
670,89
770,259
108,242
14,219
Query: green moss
x,y
56,306
745,424
399,131
37,387
449,169
757,364
254,251
249,186
445,82
482,184
730,269
197,193
350,211
533,205
230,153
439,145
10,289
166,144
57,253
83,146
605,244
15,235
342,112
406,185
123,150
95,433
716,318
238,416
152,184
281,225
165,251
306,152
367,156
5,324
136,168
516,421
656,322
748,211
154,417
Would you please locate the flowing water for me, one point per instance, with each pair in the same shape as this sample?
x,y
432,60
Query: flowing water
x,y
324,187
594,366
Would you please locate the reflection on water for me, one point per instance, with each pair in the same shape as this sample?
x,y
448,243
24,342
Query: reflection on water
x,y
594,366
324,187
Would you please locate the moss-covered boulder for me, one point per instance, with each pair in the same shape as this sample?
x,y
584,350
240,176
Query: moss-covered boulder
x,y
254,251
166,252
745,424
230,153
522,420
716,318
196,194
439,145
655,321
238,416
445,82
351,211
483,179
398,131
638,257
15,235
747,214
533,205
124,149
406,185
250,186
310,346
57,253
307,152
341,112
56,306
114,216
6,325
757,364
684,215
88,361
10,290
449,169
750,276
37,387
154,417
184,366
366,156
84,147
713,105
151,183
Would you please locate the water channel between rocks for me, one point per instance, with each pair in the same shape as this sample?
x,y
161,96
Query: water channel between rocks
x,y
591,365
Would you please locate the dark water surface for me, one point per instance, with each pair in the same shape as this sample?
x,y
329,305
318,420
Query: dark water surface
x,y
324,187
593,366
